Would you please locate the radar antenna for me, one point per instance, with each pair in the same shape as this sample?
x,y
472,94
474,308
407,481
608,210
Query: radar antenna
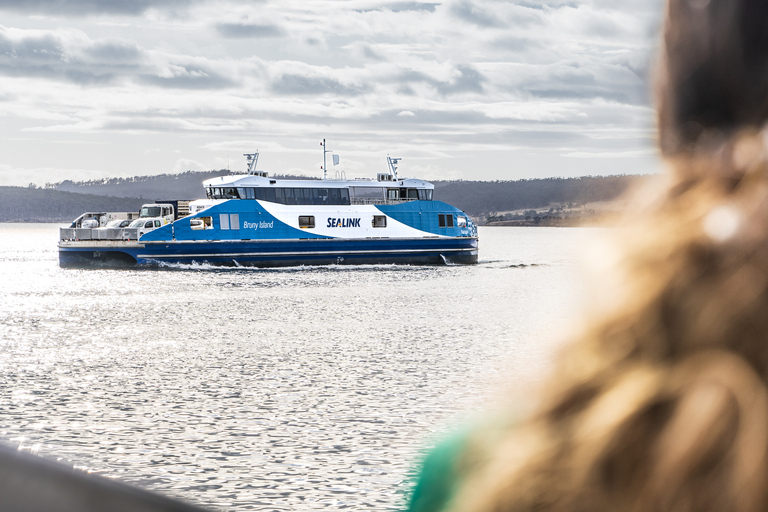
x,y
252,158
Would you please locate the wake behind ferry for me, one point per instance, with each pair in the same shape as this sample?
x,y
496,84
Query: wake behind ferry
x,y
255,220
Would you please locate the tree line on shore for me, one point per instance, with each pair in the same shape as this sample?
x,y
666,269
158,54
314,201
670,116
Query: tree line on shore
x,y
484,201
25,204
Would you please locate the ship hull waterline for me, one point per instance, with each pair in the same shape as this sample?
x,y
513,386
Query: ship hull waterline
x,y
272,253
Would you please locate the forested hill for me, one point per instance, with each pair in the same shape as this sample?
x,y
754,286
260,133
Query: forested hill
x,y
483,198
480,199
19,204
188,185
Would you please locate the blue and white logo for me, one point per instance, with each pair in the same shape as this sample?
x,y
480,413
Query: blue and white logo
x,y
343,223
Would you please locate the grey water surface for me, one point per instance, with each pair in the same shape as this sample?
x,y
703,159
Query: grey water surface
x,y
311,388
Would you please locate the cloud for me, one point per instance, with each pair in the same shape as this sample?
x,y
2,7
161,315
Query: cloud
x,y
72,56
405,7
248,30
611,154
466,79
463,79
115,51
418,76
472,13
87,7
314,85
49,55
187,75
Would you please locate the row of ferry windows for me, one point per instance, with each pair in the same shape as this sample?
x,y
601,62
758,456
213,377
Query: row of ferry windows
x,y
328,196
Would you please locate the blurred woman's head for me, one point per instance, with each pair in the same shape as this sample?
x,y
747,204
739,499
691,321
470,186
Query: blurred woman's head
x,y
661,403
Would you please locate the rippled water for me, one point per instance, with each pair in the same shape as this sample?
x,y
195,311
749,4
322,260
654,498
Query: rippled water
x,y
281,389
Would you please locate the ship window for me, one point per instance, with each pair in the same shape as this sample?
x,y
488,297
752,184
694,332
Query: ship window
x,y
306,221
335,197
379,221
344,196
368,192
209,193
229,193
289,199
234,220
280,195
441,220
413,193
241,193
250,193
322,195
269,195
461,222
449,218
224,221
392,193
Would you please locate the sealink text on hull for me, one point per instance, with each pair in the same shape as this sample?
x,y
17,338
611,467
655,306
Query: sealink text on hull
x,y
254,220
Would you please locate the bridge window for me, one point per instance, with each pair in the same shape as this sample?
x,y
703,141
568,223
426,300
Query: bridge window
x,y
379,221
368,192
292,196
306,221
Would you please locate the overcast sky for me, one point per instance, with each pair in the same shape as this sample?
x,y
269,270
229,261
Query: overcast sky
x,y
460,89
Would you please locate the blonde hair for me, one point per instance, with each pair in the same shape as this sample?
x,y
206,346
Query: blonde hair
x,y
662,404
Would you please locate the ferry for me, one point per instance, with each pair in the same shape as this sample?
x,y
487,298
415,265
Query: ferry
x,y
253,219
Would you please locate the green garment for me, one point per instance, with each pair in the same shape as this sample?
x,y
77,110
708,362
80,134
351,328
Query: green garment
x,y
439,477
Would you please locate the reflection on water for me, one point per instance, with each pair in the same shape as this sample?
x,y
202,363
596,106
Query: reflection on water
x,y
279,389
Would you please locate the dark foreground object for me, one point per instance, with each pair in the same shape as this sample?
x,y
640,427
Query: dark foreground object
x,y
30,484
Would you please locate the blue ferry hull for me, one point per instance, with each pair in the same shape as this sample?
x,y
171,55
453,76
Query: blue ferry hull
x,y
278,253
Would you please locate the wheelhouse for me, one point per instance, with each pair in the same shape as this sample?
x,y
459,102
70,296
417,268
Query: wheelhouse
x,y
322,195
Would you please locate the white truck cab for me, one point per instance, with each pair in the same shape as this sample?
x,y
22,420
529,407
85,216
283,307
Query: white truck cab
x,y
164,211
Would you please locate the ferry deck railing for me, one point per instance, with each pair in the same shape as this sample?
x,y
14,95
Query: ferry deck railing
x,y
377,200
98,234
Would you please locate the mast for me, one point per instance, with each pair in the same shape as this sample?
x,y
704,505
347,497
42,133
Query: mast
x,y
392,163
325,150
252,158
